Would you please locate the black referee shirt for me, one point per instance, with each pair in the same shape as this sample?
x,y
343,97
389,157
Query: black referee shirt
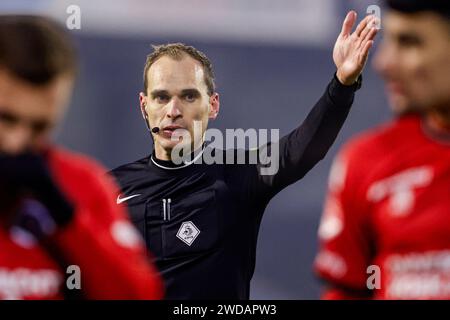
x,y
200,222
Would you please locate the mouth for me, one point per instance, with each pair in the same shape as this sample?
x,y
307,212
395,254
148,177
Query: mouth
x,y
168,130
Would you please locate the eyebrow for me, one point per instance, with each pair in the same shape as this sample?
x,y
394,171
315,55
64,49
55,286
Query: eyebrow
x,y
37,125
411,35
155,93
191,91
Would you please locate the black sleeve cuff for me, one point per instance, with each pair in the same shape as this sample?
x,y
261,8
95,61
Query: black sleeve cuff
x,y
342,95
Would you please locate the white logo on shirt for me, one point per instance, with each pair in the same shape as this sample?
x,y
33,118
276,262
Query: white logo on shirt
x,y
400,189
120,200
188,232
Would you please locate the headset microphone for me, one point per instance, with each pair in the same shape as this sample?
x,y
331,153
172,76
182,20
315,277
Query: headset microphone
x,y
155,129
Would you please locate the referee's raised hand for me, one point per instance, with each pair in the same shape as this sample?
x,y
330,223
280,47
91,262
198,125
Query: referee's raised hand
x,y
352,49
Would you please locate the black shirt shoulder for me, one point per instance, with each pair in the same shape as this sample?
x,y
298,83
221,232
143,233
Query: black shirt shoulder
x,y
130,171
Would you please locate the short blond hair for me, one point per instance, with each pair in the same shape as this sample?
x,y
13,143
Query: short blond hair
x,y
176,51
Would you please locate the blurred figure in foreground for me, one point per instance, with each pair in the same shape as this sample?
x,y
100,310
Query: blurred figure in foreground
x,y
385,232
56,216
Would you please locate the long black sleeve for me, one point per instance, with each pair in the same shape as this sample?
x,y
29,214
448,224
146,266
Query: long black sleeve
x,y
305,146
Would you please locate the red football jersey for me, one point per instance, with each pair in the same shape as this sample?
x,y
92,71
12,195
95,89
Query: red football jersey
x,y
387,215
99,240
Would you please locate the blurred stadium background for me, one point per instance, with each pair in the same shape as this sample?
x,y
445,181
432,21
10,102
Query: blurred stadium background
x,y
272,61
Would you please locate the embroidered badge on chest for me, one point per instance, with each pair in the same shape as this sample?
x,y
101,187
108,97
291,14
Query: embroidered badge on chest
x,y
188,232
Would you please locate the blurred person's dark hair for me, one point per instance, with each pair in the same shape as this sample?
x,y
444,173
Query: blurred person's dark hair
x,y
441,7
35,49
176,51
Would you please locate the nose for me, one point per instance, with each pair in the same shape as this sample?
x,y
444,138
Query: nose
x,y
174,109
16,140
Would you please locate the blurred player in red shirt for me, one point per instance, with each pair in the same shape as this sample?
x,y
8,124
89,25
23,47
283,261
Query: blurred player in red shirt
x,y
388,205
56,207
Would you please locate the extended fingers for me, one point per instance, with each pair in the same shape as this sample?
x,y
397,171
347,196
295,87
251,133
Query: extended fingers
x,y
368,33
348,23
371,35
363,24
365,52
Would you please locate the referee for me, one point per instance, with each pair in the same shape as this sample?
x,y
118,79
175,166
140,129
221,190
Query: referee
x,y
200,221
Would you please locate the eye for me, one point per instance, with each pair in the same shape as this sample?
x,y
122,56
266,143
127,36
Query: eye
x,y
189,97
162,98
39,127
408,41
8,118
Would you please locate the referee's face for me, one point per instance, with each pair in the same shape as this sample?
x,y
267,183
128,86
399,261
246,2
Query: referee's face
x,y
177,98
414,60
28,112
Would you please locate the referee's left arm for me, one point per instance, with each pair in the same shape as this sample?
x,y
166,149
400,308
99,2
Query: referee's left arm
x,y
304,147
300,150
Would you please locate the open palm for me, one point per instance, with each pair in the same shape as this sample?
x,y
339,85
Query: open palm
x,y
352,49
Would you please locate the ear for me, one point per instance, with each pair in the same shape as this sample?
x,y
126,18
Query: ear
x,y
143,104
214,103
